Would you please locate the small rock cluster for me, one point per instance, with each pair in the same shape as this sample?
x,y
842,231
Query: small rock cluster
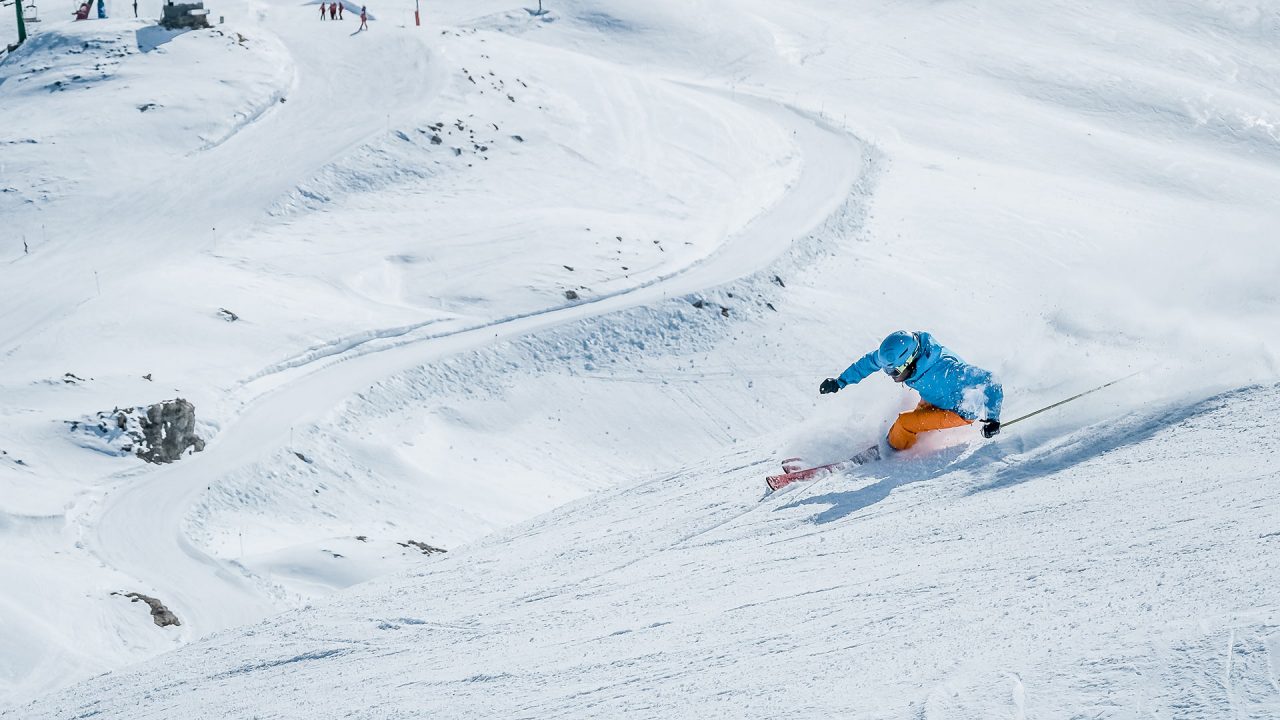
x,y
425,548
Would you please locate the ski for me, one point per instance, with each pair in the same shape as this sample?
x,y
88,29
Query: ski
x,y
777,482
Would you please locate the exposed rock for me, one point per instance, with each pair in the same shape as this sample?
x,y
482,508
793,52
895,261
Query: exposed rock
x,y
160,615
176,16
227,315
425,548
160,433
570,295
169,430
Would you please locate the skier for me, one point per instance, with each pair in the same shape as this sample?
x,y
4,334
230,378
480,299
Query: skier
x,y
333,11
952,392
340,6
323,10
364,18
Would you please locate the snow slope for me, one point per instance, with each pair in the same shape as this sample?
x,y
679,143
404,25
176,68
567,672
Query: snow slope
x,y
278,249
973,583
1062,193
128,542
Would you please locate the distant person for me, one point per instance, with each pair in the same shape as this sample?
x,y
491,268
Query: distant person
x,y
952,392
135,8
333,11
323,10
364,18
340,10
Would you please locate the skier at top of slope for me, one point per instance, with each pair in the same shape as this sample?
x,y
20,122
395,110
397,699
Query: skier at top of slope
x,y
952,392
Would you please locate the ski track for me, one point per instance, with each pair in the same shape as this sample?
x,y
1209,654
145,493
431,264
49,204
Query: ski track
x,y
139,530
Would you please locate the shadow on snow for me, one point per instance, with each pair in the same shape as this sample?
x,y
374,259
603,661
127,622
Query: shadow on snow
x,y
1004,464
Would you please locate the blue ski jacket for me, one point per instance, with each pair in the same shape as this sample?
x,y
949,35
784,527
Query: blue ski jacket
x,y
942,379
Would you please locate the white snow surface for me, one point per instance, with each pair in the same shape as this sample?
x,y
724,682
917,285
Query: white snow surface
x,y
554,293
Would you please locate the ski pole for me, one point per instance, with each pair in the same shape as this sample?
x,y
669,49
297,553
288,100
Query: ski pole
x,y
1073,397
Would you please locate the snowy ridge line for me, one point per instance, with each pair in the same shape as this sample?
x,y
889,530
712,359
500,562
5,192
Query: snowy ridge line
x,y
339,346
139,530
249,118
273,101
342,348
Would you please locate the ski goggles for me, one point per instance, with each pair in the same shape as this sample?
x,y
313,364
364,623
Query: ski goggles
x,y
900,371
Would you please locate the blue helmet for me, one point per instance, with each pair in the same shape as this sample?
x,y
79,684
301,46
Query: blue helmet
x,y
898,352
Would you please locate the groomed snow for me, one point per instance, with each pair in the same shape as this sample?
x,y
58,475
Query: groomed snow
x,y
975,582
504,262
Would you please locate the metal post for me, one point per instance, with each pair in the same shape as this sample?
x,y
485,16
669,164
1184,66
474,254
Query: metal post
x,y
22,23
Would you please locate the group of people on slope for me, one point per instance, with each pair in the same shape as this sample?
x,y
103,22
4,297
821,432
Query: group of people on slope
x,y
334,12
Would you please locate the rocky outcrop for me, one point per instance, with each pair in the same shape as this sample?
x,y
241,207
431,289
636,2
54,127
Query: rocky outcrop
x,y
422,547
159,433
160,615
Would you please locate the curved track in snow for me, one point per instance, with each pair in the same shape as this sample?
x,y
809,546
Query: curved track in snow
x,y
139,530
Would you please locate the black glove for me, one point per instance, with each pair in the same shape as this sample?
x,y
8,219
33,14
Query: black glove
x,y
829,385
990,428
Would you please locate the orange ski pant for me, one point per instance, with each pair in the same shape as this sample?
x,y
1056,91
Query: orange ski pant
x,y
923,419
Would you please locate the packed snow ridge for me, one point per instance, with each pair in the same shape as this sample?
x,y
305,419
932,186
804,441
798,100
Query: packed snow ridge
x,y
470,344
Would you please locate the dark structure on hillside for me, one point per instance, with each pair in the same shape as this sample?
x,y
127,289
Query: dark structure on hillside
x,y
184,16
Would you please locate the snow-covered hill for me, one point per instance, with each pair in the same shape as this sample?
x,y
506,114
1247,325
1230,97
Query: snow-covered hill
x,y
1105,574
502,262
